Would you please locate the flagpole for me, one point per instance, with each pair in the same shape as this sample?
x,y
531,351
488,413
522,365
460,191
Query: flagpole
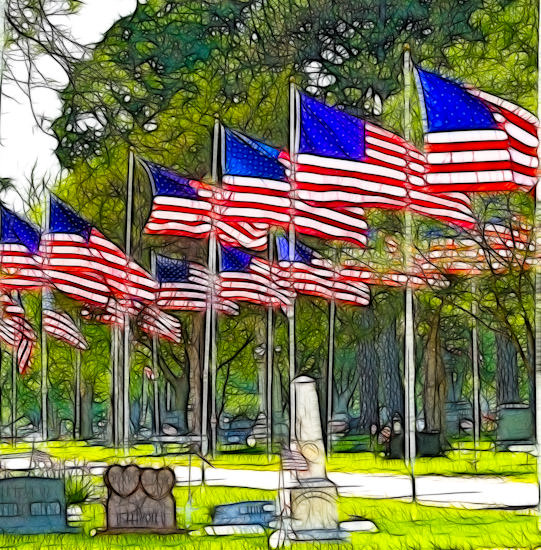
x,y
77,400
13,392
475,370
537,301
409,335
330,373
209,317
269,360
155,351
126,323
116,386
45,300
291,245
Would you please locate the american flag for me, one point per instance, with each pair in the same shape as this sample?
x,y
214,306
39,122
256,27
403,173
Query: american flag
x,y
476,141
61,326
313,275
20,265
80,261
68,260
344,161
254,183
246,278
16,331
185,285
187,208
256,186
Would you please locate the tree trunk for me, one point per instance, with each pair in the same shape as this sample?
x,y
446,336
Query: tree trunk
x,y
507,383
367,361
87,397
435,381
181,391
195,353
392,390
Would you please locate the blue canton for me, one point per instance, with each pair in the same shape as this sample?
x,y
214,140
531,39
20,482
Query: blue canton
x,y
65,220
303,253
329,132
170,184
14,230
449,107
233,259
170,270
248,157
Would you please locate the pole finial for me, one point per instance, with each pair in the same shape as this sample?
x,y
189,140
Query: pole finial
x,y
292,79
406,47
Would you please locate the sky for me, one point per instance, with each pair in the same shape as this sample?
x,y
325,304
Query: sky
x,y
23,144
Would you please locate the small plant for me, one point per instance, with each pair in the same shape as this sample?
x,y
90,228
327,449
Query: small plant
x,y
78,489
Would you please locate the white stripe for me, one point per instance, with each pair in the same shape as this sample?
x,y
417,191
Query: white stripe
x,y
490,155
350,166
464,136
385,144
482,176
521,135
390,159
345,181
523,159
245,181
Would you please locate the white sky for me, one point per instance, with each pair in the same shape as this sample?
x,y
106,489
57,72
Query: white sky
x,y
22,143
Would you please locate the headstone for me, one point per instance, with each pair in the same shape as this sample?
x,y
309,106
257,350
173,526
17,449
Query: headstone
x,y
257,512
140,499
515,424
32,505
314,508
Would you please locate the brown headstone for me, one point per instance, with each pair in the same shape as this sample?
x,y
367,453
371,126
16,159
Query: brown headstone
x,y
140,499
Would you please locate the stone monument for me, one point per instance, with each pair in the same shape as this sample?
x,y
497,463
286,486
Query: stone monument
x,y
140,499
309,500
32,505
313,501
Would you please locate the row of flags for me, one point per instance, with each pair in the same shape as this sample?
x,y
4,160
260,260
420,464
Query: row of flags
x,y
340,166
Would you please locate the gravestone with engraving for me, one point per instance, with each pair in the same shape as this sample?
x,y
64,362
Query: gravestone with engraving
x,y
140,499
32,505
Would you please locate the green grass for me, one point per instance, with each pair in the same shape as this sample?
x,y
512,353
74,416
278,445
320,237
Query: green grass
x,y
401,525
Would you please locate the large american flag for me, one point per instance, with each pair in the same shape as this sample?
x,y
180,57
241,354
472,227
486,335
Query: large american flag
x,y
61,326
313,275
256,186
20,266
187,208
80,261
185,285
344,161
254,183
246,278
16,331
476,141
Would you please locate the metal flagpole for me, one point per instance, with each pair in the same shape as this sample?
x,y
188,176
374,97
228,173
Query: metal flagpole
x,y
475,370
126,316
216,164
209,314
330,373
293,115
269,361
155,351
537,301
77,400
409,336
116,386
46,298
13,392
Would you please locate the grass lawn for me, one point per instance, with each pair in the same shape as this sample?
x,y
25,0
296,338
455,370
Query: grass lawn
x,y
401,526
